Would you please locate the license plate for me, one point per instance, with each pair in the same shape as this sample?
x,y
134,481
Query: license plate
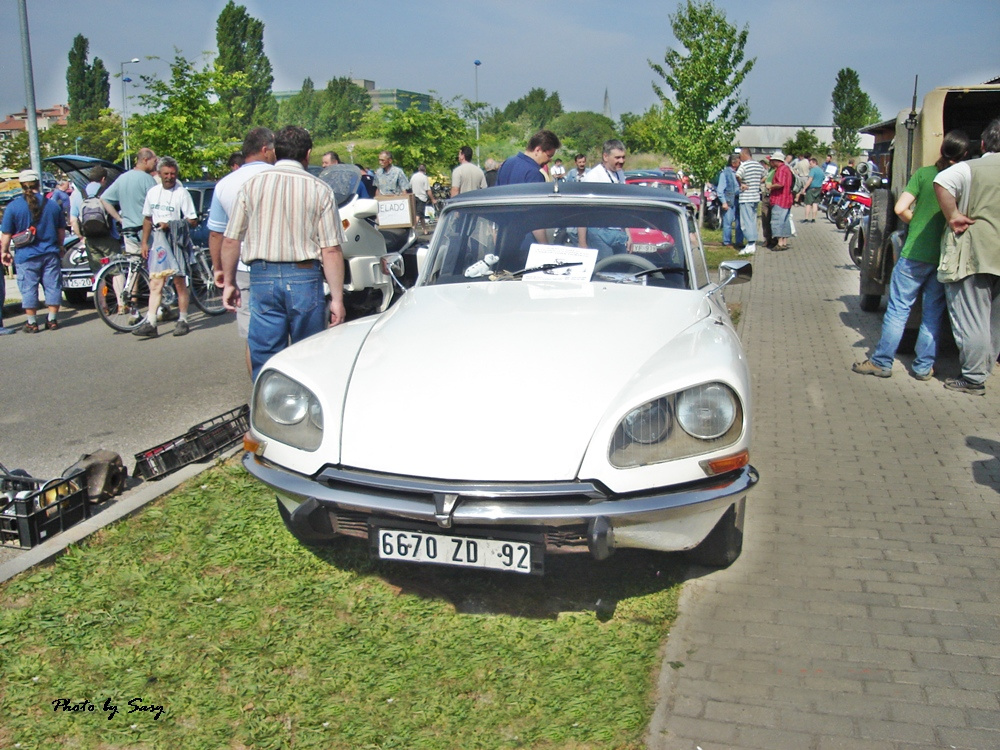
x,y
462,551
646,248
78,283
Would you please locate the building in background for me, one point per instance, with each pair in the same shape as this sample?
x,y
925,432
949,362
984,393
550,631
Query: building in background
x,y
46,118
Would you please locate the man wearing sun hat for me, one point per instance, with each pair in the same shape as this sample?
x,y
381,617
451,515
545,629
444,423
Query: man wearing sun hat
x,y
37,259
781,200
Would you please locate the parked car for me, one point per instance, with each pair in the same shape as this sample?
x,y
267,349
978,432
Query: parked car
x,y
658,178
561,402
77,277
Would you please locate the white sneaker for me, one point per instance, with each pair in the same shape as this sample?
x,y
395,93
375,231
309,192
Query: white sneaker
x,y
748,250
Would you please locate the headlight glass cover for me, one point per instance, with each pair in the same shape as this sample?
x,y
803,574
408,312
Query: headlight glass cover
x,y
709,417
287,411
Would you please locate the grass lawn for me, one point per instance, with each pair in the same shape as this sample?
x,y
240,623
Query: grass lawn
x,y
204,605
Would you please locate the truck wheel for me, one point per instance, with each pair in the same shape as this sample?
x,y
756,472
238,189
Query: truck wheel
x,y
871,302
882,218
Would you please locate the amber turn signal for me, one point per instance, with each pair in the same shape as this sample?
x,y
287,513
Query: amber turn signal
x,y
726,464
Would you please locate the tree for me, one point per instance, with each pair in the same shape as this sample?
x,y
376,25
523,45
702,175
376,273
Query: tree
x,y
302,108
341,108
414,137
805,142
852,110
248,101
87,85
643,133
183,115
538,106
582,131
700,122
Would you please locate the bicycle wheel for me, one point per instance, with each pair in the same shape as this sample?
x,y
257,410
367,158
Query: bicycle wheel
x,y
206,295
121,294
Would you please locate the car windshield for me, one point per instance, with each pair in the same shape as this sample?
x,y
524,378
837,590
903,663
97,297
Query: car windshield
x,y
620,243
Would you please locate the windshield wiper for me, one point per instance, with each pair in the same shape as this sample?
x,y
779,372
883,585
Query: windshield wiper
x,y
546,267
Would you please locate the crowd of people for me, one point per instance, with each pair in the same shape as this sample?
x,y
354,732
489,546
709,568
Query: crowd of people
x,y
272,256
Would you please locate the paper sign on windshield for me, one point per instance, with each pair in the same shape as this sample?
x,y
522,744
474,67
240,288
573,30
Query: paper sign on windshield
x,y
545,255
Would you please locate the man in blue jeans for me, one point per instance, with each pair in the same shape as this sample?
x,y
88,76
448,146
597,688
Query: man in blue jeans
x,y
291,236
728,190
915,274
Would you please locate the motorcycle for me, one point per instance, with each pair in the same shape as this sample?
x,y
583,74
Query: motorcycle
x,y
713,207
373,258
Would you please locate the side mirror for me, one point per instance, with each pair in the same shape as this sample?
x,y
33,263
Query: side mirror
x,y
735,272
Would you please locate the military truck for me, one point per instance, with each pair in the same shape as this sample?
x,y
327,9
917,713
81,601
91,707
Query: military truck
x,y
903,145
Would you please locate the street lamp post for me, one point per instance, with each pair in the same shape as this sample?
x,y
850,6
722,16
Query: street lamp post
x,y
128,164
477,63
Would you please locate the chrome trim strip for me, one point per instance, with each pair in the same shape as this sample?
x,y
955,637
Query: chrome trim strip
x,y
394,483
533,510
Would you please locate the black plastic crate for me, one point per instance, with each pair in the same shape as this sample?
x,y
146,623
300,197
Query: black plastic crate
x,y
199,443
32,516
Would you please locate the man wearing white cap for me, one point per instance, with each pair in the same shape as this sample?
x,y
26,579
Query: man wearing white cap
x,y
36,227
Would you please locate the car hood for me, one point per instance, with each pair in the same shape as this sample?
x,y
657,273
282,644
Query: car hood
x,y
500,381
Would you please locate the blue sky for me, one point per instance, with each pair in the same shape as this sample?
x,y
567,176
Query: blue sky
x,y
575,47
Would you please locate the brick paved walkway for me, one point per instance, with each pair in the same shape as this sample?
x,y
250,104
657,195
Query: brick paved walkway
x,y
864,613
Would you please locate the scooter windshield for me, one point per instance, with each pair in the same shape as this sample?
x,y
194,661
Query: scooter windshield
x,y
343,179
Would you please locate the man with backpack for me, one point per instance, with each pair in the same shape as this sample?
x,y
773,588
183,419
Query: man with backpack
x,y
91,219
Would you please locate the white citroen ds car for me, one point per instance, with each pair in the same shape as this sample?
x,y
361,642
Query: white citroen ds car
x,y
563,377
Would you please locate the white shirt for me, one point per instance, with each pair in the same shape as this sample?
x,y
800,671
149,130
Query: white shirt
x,y
168,205
419,184
601,174
225,193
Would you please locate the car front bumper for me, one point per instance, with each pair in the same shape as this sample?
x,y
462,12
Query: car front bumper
x,y
571,516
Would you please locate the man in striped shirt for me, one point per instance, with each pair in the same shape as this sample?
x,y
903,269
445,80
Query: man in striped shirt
x,y
291,235
750,175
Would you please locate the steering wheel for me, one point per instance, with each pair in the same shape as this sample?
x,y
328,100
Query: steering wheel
x,y
630,262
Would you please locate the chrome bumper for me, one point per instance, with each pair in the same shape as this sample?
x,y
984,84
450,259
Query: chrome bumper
x,y
663,519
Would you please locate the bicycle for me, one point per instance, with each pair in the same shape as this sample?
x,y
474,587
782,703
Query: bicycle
x,y
121,289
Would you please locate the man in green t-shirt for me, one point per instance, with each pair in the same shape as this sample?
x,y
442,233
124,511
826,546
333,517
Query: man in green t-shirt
x,y
915,273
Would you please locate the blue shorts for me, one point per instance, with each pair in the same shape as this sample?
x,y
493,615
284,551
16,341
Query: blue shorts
x,y
44,270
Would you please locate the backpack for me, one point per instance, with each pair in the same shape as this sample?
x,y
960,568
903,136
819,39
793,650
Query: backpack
x,y
94,219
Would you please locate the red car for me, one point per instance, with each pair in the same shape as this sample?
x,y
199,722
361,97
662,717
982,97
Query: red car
x,y
658,178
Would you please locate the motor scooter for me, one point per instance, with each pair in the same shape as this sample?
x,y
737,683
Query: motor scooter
x,y
373,259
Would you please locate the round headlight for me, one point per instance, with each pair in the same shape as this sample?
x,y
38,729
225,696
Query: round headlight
x,y
285,401
706,411
648,424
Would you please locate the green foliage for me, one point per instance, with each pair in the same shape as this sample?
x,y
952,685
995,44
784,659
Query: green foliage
x,y
100,137
87,84
203,604
700,122
335,111
643,132
182,118
247,98
852,110
582,132
538,106
806,142
414,137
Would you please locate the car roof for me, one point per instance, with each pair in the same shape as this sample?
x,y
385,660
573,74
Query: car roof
x,y
597,190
